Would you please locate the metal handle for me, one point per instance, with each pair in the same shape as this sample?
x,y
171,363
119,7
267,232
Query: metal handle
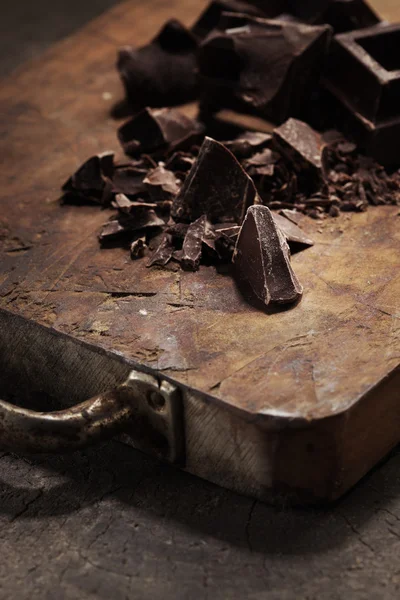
x,y
142,407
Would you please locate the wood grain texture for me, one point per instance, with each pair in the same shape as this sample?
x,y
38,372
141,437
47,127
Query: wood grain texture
x,y
197,328
113,523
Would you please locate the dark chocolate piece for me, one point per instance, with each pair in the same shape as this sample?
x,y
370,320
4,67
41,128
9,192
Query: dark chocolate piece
x,y
92,181
342,15
163,72
180,162
210,17
261,66
216,186
160,129
127,206
292,215
192,244
138,247
162,184
126,224
303,147
262,259
295,237
248,143
364,96
129,181
163,253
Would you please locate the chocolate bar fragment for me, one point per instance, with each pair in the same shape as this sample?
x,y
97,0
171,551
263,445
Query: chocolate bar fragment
x,y
162,129
129,181
124,225
366,92
92,181
217,186
138,247
265,67
303,147
163,252
262,260
248,143
192,244
163,72
127,206
162,184
342,15
295,237
210,17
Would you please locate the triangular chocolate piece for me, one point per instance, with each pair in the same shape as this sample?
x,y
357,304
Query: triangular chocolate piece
x,y
217,186
262,259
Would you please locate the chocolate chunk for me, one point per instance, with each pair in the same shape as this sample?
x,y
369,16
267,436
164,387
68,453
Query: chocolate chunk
x,y
192,244
248,143
163,253
216,186
342,15
126,224
262,259
295,237
127,206
152,130
92,181
162,184
180,162
292,215
303,148
163,72
211,15
261,163
261,66
138,247
177,230
129,181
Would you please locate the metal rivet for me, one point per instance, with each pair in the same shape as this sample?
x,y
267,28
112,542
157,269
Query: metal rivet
x,y
156,400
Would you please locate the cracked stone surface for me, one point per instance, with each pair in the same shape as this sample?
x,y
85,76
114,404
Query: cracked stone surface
x,y
112,522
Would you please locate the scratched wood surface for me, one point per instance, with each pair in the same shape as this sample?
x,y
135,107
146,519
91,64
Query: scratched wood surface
x,y
106,524
313,361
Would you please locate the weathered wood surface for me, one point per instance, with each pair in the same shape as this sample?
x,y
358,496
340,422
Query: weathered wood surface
x,y
113,523
315,360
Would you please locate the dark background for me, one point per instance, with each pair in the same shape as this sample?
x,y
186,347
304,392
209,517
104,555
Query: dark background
x,y
27,27
112,523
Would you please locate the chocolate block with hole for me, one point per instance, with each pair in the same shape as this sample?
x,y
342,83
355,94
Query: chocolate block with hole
x,y
363,76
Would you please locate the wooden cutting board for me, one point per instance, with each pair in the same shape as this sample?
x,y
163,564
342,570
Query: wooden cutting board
x,y
300,402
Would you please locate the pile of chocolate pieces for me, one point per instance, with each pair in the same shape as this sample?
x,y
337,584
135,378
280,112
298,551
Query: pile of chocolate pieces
x,y
202,191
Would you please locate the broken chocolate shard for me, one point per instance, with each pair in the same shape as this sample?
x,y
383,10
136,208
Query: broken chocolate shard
x,y
162,184
303,147
217,186
163,252
192,244
342,15
125,205
180,162
248,143
138,247
129,181
292,215
155,130
262,260
210,17
92,181
163,72
261,66
126,224
295,237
